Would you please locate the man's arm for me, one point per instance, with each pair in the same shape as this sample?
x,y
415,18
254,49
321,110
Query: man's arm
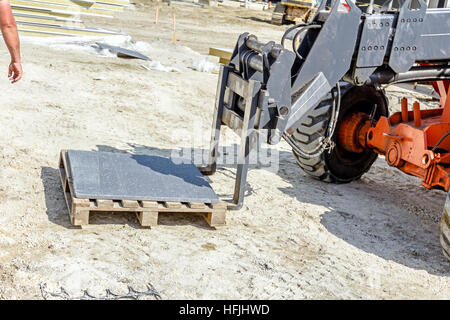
x,y
11,37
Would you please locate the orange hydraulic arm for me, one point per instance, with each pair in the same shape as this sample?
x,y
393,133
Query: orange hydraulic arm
x,y
415,141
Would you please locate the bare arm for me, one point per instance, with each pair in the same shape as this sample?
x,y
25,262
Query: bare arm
x,y
11,37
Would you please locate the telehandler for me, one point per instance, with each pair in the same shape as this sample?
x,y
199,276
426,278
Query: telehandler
x,y
324,95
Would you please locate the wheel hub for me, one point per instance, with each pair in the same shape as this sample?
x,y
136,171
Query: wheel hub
x,y
353,131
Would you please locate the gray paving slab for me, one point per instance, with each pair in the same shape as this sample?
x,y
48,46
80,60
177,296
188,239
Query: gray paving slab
x,y
123,176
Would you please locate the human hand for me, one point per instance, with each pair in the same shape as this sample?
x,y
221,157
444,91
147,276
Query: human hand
x,y
15,71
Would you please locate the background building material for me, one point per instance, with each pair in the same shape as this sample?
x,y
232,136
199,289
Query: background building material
x,y
223,54
122,52
63,17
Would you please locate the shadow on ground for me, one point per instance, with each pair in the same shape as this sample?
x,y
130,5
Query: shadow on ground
x,y
54,197
388,221
256,19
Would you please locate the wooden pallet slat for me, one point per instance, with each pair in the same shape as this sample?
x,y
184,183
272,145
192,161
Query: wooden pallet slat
x,y
172,205
146,211
216,218
219,205
147,218
149,204
102,203
129,203
194,205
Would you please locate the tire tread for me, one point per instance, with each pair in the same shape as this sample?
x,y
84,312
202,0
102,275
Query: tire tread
x,y
307,137
313,127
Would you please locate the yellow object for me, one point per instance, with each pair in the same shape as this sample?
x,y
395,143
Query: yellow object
x,y
299,4
223,54
62,17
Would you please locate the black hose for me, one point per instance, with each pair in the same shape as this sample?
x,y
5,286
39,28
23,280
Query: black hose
x,y
289,30
297,35
304,26
440,140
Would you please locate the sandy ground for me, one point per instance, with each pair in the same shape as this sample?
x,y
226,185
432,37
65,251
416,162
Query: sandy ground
x,y
294,238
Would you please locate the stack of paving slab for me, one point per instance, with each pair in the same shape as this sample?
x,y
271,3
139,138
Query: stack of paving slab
x,y
47,18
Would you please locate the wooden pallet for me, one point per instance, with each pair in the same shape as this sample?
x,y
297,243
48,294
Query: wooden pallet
x,y
146,211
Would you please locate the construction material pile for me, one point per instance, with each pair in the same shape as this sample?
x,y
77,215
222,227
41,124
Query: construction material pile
x,y
47,18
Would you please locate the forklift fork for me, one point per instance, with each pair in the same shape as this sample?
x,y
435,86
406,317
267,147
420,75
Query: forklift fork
x,y
242,125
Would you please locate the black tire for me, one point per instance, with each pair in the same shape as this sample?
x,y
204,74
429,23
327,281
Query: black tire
x,y
445,230
338,166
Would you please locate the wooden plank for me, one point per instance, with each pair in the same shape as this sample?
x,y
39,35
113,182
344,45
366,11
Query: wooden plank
x,y
216,219
184,207
219,205
78,208
80,202
147,218
194,205
129,203
224,61
223,54
80,217
64,181
101,203
172,205
149,204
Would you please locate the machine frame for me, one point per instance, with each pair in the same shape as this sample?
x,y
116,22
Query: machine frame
x,y
269,88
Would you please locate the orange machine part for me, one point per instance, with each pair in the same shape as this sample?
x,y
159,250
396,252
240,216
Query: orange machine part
x,y
416,142
352,132
441,87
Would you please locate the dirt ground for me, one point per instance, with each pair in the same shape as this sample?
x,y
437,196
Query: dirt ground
x,y
295,237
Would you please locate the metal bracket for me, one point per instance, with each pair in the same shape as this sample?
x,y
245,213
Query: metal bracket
x,y
244,126
408,31
310,97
